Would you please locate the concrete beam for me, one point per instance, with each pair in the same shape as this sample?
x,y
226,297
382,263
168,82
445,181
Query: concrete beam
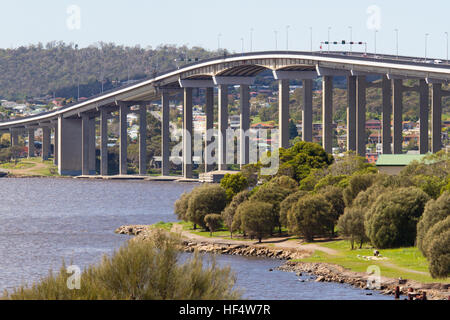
x,y
294,75
322,72
218,80
187,83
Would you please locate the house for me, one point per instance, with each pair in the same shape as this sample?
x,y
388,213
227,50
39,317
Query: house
x,y
392,164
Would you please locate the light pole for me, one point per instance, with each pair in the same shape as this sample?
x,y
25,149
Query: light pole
x,y
251,39
242,43
396,41
375,43
218,41
329,28
276,39
311,38
351,38
446,36
287,38
426,45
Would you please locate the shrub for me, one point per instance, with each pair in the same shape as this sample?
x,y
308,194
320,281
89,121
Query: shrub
x,y
256,218
438,228
392,220
351,226
233,184
140,270
439,255
285,182
286,205
204,200
367,198
228,215
335,198
329,180
213,221
431,185
310,216
435,211
181,206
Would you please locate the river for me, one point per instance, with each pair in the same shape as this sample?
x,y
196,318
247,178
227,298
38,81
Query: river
x,y
45,221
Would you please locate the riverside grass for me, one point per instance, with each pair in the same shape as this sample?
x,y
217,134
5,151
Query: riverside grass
x,y
139,270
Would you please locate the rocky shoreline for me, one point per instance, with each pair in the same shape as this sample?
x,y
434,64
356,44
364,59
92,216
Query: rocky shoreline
x,y
323,272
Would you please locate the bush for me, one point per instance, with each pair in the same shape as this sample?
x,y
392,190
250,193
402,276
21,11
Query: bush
x,y
392,220
140,270
204,200
357,183
228,215
256,218
286,206
431,185
351,226
438,228
213,221
310,216
285,182
435,211
439,255
367,198
335,198
233,184
181,206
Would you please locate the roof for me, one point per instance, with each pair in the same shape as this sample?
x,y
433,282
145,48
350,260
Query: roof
x,y
398,159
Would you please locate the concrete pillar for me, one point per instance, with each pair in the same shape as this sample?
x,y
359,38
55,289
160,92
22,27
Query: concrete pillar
x,y
55,144
307,112
45,143
387,114
142,139
245,126
123,136
14,134
423,116
283,112
85,148
436,115
187,133
327,113
209,112
165,134
31,148
361,85
103,142
397,98
223,126
69,146
351,113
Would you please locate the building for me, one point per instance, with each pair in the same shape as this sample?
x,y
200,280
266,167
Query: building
x,y
394,163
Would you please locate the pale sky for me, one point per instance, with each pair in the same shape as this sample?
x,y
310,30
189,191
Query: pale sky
x,y
198,23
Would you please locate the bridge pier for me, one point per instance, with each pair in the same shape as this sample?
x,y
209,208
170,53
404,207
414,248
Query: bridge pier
x,y
85,148
327,113
307,112
123,136
142,139
351,113
283,112
187,134
209,112
31,147
103,142
165,134
45,142
55,144
245,126
423,116
69,146
436,110
386,89
398,115
14,137
223,126
361,86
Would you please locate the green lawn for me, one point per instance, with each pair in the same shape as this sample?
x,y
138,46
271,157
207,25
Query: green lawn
x,y
42,168
409,258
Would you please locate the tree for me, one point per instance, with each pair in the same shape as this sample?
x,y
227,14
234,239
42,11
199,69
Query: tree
x,y
335,198
213,222
309,217
284,182
286,205
256,218
392,221
293,132
229,213
435,211
438,251
204,200
357,183
181,206
351,226
233,184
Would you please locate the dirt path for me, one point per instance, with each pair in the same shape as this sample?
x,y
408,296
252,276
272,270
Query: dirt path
x,y
28,171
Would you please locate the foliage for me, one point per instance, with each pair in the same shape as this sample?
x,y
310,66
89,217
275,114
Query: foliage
x,y
140,270
439,250
229,213
310,216
256,218
233,184
357,183
250,172
284,182
392,220
204,200
335,198
213,222
286,205
298,160
351,226
182,205
432,185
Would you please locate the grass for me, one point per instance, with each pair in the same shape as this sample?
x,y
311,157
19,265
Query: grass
x,y
47,170
397,260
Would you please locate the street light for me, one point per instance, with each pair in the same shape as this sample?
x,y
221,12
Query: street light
x,y
287,37
396,40
242,43
446,36
426,45
251,39
218,41
351,38
375,43
276,39
329,28
311,37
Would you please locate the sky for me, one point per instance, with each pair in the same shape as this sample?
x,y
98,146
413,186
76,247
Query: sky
x,y
200,22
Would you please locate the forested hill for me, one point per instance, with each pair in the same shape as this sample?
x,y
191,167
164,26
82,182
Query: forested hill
x,y
57,67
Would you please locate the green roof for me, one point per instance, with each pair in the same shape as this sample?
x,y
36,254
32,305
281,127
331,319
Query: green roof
x,y
398,159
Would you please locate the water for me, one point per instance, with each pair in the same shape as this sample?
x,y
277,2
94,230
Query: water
x,y
46,221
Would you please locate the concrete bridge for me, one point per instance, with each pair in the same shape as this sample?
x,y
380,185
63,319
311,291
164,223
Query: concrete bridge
x,y
74,125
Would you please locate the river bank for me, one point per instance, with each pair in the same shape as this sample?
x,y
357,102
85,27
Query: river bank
x,y
290,252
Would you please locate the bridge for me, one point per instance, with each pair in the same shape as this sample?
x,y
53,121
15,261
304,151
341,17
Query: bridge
x,y
74,125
